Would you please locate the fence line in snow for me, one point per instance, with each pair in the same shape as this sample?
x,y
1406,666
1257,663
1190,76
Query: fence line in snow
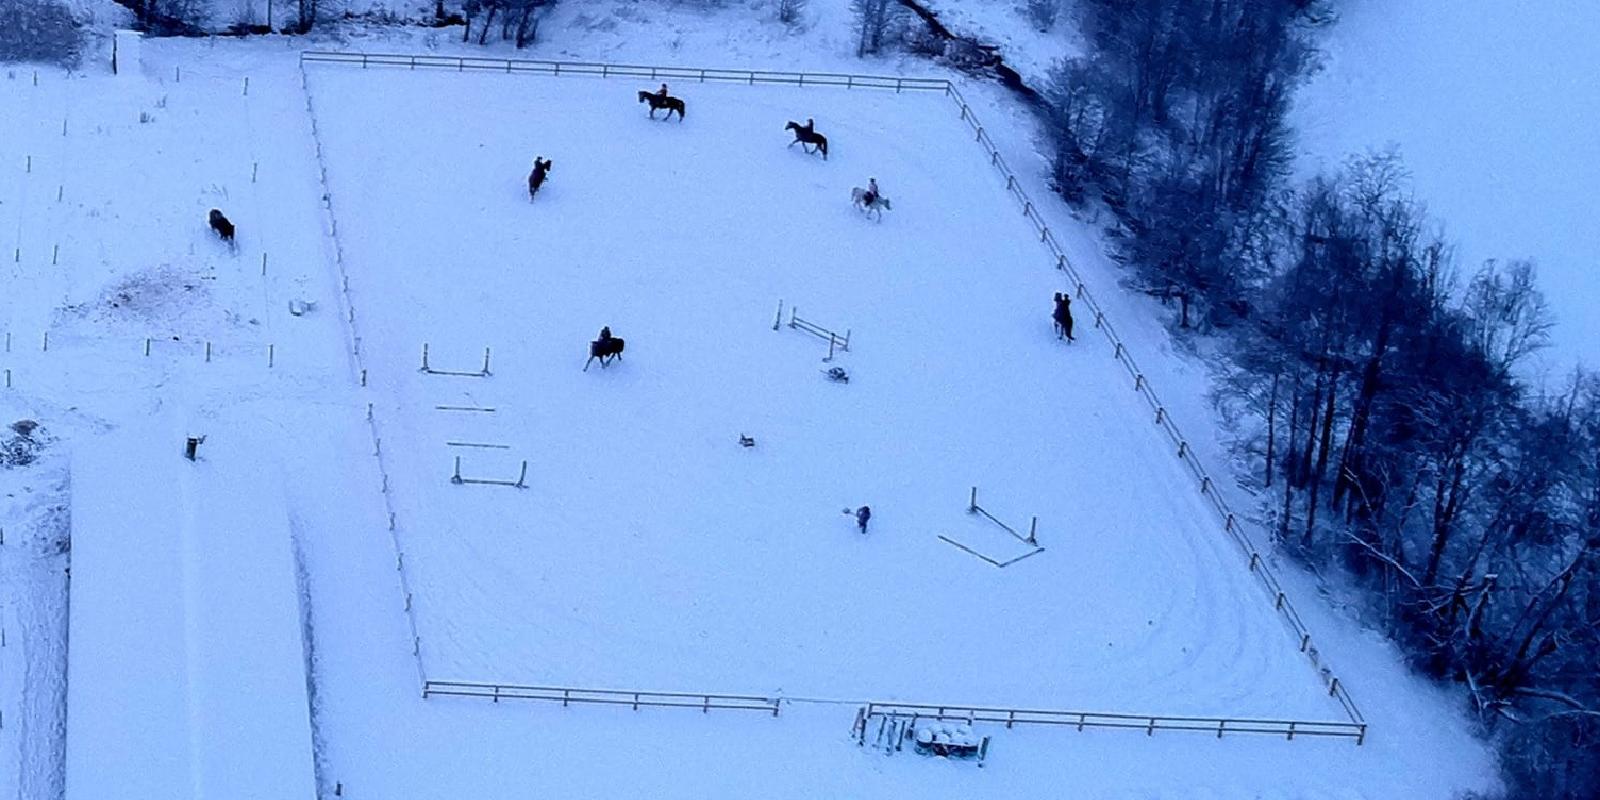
x,y
1141,385
359,370
1149,723
567,695
608,70
1207,487
209,351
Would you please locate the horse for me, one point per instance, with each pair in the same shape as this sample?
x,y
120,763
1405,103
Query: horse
x,y
804,135
222,226
879,204
658,102
1063,317
541,168
605,350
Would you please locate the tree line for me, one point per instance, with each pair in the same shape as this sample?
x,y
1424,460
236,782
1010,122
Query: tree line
x,y
1383,395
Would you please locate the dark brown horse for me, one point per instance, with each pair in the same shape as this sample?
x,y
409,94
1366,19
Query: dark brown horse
x,y
658,102
804,135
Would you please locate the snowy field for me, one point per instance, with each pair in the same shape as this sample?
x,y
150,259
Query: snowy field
x,y
650,550
1494,107
947,300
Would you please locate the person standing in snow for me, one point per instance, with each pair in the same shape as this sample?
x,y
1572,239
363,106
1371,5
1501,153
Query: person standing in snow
x,y
863,514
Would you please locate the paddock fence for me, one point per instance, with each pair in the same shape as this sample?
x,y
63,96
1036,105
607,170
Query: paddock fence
x,y
358,368
1207,486
1011,717
1230,521
567,695
605,70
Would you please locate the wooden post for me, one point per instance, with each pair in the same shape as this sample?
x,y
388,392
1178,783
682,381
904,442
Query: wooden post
x,y
1033,532
972,504
779,318
270,355
486,361
522,478
424,356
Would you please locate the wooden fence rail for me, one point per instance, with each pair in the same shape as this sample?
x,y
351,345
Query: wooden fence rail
x,y
567,695
1149,723
604,70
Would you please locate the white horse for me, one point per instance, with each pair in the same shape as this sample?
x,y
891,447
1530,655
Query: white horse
x,y
880,204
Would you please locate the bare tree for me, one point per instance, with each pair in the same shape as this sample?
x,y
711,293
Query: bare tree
x,y
873,21
790,12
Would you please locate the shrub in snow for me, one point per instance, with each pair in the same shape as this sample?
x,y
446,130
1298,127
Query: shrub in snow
x,y
20,446
39,30
1043,13
170,17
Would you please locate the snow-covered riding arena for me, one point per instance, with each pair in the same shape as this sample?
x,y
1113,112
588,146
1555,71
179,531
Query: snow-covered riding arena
x,y
383,211
650,550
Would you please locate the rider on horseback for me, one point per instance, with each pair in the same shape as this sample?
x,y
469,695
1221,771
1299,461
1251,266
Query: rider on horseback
x,y
663,93
872,192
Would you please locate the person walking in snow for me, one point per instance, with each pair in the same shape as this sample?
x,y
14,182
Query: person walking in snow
x,y
863,514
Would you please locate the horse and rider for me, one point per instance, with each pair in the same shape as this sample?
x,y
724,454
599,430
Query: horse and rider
x,y
605,348
871,200
662,100
1063,316
536,178
806,136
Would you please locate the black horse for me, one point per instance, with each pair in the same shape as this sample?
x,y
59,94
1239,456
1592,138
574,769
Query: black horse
x,y
658,102
604,348
806,135
1063,316
222,226
541,169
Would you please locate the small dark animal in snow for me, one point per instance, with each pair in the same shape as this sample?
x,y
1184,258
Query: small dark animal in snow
x,y
221,225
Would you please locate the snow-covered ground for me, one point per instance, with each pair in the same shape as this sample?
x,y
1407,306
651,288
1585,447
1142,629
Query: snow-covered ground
x,y
646,527
1494,107
944,299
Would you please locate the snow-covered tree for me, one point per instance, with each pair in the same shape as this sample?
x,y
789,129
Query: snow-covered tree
x,y
39,30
